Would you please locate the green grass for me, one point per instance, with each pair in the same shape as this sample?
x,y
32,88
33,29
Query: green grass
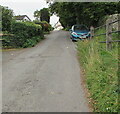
x,y
101,72
48,32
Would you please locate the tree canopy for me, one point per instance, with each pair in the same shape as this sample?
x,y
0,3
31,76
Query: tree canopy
x,y
42,15
7,17
37,14
88,13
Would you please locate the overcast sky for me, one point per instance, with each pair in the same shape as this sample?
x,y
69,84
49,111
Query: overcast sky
x,y
27,7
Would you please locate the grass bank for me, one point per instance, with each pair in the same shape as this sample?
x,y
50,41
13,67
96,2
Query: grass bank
x,y
101,72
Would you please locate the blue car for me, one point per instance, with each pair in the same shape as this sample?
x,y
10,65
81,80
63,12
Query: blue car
x,y
79,32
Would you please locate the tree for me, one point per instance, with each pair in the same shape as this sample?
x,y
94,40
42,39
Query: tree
x,y
37,15
45,15
89,13
7,17
42,15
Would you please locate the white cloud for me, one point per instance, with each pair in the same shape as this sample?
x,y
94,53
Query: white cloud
x,y
6,1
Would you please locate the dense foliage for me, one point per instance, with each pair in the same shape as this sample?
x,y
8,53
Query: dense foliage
x,y
101,72
46,27
25,34
89,13
42,15
45,15
7,15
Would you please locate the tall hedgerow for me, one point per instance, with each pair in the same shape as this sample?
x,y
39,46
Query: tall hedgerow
x,y
24,34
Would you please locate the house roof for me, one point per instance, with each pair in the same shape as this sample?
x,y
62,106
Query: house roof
x,y
21,17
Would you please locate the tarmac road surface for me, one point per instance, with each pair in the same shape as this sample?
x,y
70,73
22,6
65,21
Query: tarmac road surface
x,y
45,78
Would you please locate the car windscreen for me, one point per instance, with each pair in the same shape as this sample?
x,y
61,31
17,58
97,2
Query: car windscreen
x,y
80,28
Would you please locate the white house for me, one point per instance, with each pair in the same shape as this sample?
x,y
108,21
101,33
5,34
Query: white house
x,y
58,26
21,18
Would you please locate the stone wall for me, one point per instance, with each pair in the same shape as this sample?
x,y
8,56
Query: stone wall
x,y
114,17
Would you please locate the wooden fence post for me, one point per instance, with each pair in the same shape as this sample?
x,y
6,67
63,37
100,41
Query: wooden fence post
x,y
108,34
92,32
119,24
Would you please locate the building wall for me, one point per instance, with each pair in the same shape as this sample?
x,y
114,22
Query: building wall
x,y
26,19
58,26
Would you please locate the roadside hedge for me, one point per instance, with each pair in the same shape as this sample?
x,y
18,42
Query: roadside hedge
x,y
25,34
46,27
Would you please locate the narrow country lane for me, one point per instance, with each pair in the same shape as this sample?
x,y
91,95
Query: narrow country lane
x,y
45,78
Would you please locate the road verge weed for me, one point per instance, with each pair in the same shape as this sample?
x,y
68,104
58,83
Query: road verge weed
x,y
101,72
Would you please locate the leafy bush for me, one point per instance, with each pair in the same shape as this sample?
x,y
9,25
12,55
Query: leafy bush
x,y
24,34
67,29
101,72
28,29
46,27
32,42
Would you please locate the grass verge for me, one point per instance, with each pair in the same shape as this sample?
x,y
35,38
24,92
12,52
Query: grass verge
x,y
101,72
